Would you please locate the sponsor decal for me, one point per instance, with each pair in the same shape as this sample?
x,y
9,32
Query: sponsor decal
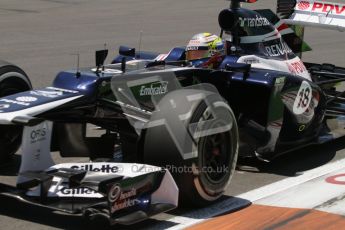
x,y
211,38
126,195
15,102
301,128
4,106
26,99
49,94
77,191
303,98
156,88
194,43
189,48
124,204
297,67
161,57
251,61
303,5
254,22
106,168
280,81
121,199
114,193
326,7
38,135
336,179
277,50
62,90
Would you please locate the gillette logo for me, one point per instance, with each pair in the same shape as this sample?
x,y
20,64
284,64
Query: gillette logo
x,y
92,168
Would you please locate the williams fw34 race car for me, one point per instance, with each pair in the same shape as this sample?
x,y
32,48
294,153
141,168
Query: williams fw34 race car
x,y
172,130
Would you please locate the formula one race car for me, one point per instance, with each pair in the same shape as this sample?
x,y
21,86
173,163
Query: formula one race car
x,y
172,131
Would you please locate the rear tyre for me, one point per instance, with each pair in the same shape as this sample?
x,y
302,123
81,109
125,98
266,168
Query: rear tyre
x,y
12,80
202,178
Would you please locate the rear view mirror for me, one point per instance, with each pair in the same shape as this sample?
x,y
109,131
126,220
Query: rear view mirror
x,y
239,67
227,19
127,51
101,55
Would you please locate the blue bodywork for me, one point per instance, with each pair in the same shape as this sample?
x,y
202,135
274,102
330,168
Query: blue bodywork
x,y
256,97
87,83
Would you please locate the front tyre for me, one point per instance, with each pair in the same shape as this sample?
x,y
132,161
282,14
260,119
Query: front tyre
x,y
12,80
204,169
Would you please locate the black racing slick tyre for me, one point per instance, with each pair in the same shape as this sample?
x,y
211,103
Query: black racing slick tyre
x,y
12,80
197,141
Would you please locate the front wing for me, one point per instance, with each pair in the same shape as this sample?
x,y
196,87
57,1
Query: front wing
x,y
124,193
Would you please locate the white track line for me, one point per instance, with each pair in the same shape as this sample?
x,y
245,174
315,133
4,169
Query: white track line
x,y
231,204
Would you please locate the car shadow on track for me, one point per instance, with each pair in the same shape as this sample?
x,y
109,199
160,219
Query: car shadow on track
x,y
290,164
44,216
49,218
293,163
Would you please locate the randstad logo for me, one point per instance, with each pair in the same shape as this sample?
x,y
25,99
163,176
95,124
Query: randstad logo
x,y
254,22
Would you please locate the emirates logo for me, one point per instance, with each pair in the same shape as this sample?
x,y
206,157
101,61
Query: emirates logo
x,y
303,5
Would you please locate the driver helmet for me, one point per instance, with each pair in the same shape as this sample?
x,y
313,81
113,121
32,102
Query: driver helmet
x,y
204,45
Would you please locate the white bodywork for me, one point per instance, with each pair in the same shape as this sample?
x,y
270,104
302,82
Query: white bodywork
x,y
318,13
293,66
34,102
36,157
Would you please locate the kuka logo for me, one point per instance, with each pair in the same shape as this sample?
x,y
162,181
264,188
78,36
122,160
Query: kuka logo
x,y
303,5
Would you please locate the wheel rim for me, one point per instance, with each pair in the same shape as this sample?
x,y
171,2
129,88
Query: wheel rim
x,y
216,157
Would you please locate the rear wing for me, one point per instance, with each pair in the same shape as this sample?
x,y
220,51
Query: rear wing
x,y
312,13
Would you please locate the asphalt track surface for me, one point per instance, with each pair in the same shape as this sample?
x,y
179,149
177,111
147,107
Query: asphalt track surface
x,y
41,36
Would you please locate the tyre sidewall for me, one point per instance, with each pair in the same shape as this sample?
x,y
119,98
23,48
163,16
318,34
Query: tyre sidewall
x,y
194,187
14,78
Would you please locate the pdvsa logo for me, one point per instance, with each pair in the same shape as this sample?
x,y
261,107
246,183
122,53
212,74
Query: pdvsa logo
x,y
328,8
303,5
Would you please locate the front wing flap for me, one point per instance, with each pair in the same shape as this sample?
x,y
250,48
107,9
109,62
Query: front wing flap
x,y
125,193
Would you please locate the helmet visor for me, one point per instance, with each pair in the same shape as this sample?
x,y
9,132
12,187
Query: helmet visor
x,y
196,54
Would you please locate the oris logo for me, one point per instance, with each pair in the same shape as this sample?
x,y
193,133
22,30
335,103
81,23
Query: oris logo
x,y
38,135
26,99
303,5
